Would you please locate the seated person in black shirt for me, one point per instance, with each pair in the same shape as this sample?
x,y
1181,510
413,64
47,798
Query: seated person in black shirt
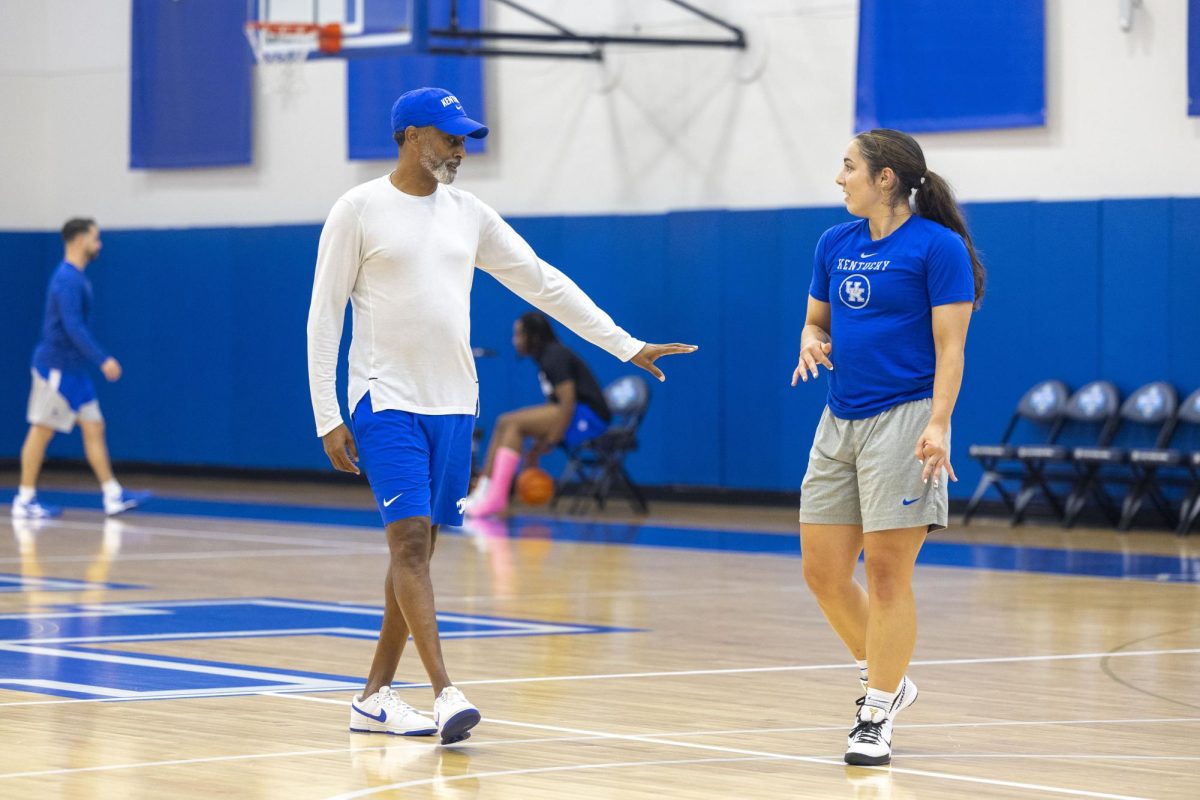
x,y
574,412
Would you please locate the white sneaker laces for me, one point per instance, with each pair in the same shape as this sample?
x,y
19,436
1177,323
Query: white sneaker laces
x,y
391,702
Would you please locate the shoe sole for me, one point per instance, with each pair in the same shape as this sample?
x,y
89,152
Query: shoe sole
x,y
859,760
418,732
459,726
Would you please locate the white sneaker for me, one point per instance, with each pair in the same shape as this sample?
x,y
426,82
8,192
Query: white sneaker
x,y
383,712
32,509
454,714
870,738
124,501
906,695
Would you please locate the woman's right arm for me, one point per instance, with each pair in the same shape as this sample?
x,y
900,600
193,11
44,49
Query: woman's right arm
x,y
815,344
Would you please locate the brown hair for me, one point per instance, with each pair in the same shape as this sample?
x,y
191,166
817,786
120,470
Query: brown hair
x,y
934,200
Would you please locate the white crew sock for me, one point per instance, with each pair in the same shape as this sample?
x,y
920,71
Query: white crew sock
x,y
880,699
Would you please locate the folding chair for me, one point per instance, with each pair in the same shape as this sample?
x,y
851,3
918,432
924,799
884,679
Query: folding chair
x,y
1173,464
1042,408
1090,418
1189,510
595,467
1147,418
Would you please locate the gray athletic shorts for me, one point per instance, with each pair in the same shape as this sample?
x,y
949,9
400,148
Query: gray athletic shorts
x,y
864,472
50,407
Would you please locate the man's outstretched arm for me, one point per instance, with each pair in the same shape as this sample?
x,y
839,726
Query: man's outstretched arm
x,y
509,259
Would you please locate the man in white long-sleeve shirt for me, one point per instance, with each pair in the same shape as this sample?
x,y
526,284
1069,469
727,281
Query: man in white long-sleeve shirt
x,y
402,250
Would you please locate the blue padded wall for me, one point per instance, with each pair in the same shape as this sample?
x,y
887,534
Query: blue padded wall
x,y
209,324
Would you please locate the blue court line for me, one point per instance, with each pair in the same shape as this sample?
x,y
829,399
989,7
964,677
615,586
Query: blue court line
x,y
936,552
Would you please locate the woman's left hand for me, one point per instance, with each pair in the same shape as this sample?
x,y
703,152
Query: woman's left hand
x,y
934,454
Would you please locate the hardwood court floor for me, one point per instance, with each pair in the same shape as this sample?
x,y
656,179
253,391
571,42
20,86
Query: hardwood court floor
x,y
610,660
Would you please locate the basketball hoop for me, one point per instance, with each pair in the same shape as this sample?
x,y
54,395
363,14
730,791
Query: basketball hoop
x,y
283,47
289,42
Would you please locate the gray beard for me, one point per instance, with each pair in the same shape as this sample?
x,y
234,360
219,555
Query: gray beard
x,y
439,169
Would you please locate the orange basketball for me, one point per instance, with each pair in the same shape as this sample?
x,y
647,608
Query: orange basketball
x,y
535,487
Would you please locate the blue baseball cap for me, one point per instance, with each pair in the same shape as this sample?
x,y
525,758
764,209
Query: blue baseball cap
x,y
436,107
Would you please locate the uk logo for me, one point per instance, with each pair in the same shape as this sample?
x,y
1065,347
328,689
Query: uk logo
x,y
1043,399
1151,402
1092,400
855,291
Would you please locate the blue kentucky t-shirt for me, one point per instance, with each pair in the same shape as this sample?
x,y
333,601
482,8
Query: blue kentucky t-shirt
x,y
67,342
881,296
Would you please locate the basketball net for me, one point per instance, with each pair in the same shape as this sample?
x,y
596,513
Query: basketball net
x,y
281,47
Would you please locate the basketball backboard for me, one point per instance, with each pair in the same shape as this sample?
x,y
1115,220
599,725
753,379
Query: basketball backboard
x,y
335,28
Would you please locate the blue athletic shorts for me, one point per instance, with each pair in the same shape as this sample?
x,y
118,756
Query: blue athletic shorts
x,y
58,398
418,465
585,425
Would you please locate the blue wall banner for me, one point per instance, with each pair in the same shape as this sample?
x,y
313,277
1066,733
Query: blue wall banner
x,y
947,65
191,78
373,84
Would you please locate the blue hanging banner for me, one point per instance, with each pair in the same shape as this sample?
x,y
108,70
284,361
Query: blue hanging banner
x,y
373,84
191,80
948,65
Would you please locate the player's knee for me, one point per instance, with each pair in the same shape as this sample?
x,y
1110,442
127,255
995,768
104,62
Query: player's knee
x,y
823,579
887,582
409,543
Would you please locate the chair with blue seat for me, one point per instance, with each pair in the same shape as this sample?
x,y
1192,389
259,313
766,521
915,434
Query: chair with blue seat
x,y
1147,419
1173,465
1091,418
597,466
1037,419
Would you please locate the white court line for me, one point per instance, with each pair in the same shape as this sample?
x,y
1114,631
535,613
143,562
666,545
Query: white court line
x,y
907,725
829,761
183,761
734,671
1055,756
823,728
153,663
183,531
814,667
655,739
707,591
40,683
539,770
466,745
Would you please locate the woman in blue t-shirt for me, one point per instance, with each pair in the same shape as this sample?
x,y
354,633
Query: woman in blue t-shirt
x,y
891,298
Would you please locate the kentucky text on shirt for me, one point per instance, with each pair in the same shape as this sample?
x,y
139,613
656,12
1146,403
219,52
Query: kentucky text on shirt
x,y
849,264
